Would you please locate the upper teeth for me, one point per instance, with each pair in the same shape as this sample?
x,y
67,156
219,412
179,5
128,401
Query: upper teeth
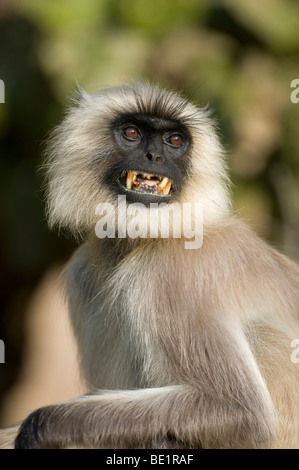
x,y
162,188
131,176
164,182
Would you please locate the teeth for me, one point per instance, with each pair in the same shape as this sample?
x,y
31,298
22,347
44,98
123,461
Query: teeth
x,y
163,182
162,188
130,179
146,175
166,188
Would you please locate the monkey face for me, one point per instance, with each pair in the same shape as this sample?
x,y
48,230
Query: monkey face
x,y
151,160
148,144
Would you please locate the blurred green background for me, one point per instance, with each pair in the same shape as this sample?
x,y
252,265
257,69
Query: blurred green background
x,y
239,56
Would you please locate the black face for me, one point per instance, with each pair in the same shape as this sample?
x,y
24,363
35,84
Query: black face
x,y
152,158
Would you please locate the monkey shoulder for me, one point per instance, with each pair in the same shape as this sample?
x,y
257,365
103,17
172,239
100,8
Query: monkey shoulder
x,y
239,260
235,241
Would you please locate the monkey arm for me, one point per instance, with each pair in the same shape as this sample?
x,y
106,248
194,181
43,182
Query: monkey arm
x,y
175,416
231,410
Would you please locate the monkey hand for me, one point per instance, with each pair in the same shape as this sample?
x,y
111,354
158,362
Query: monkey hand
x,y
40,429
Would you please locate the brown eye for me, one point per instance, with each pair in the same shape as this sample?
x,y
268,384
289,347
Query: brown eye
x,y
176,140
131,133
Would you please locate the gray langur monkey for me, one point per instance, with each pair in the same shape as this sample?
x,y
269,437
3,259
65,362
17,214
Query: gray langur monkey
x,y
181,348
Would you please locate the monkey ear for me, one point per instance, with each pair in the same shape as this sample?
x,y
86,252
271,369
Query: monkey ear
x,y
80,96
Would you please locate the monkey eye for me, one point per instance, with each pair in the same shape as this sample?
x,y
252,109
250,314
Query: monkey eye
x,y
175,140
131,133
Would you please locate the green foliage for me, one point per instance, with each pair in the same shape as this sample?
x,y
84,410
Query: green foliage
x,y
274,22
238,56
156,16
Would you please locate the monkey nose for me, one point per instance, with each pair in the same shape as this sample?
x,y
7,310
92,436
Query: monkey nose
x,y
152,157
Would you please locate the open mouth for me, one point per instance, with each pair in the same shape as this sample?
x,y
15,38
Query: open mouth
x,y
147,183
